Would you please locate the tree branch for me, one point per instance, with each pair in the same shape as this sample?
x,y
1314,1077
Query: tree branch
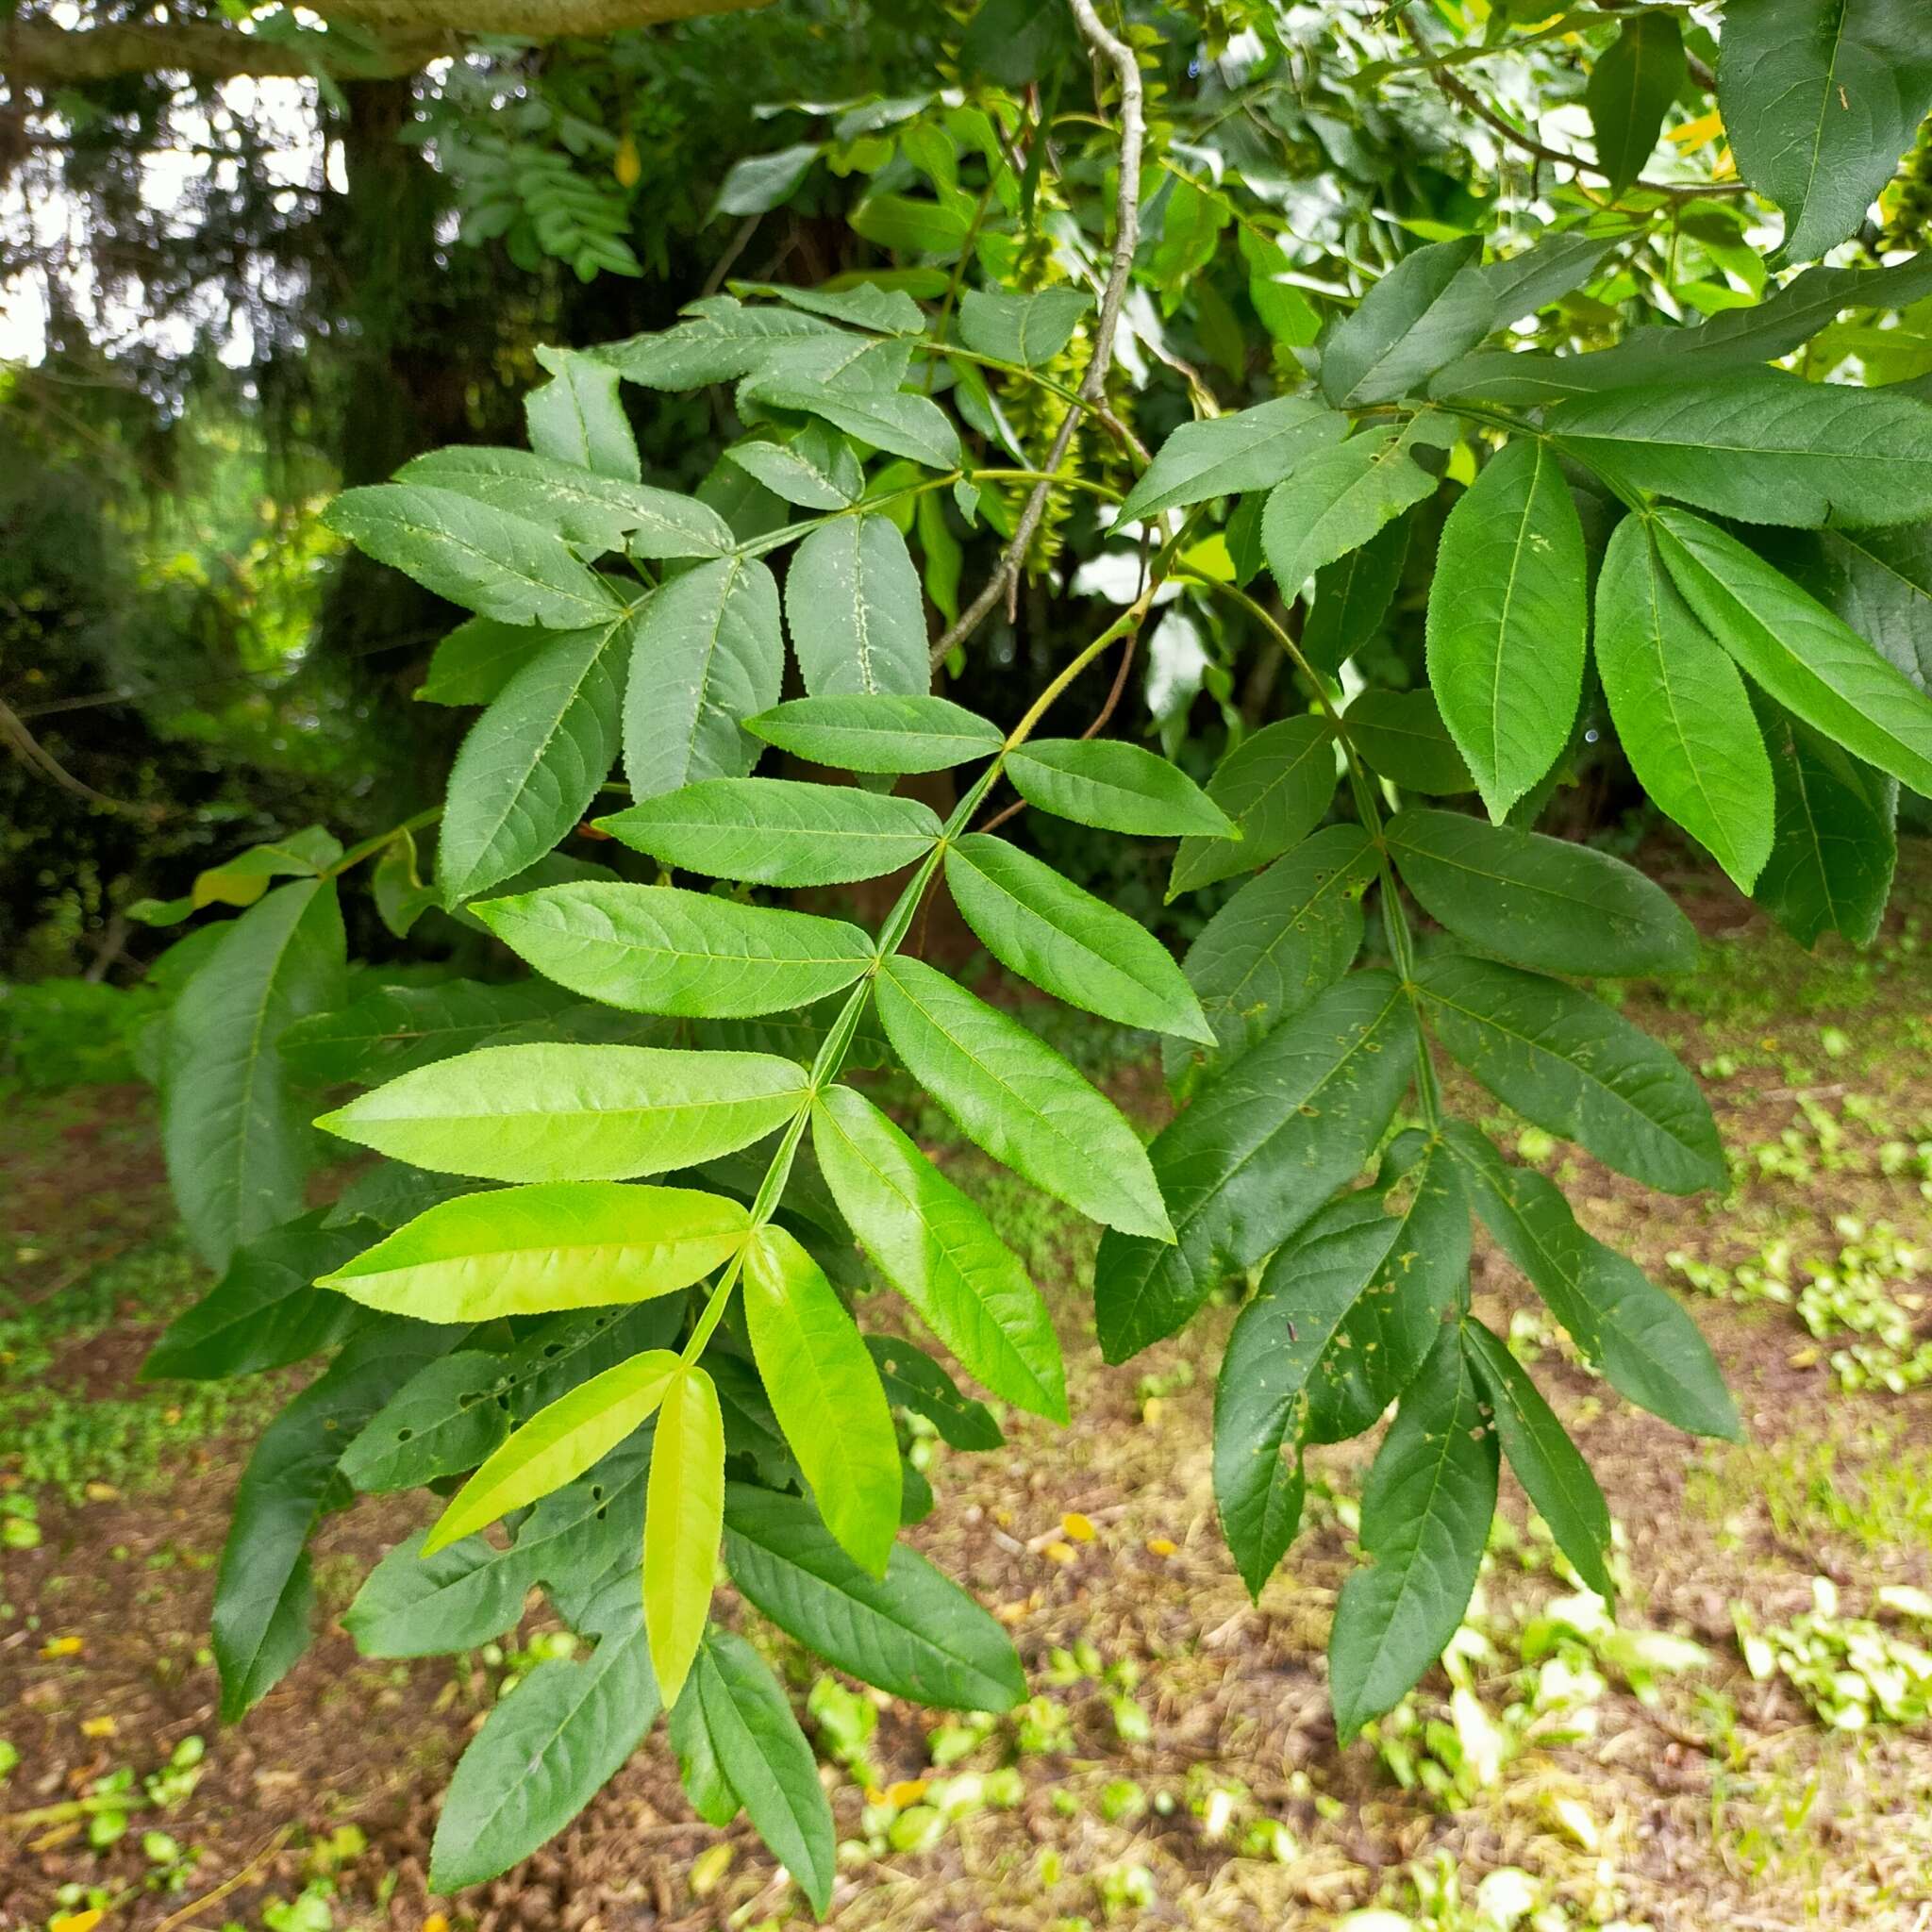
x,y
391,38
1125,239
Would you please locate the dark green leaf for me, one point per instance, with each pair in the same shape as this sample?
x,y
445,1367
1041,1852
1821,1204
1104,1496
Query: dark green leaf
x,y
440,1423
913,1381
1029,329
394,1029
1820,98
764,1757
1425,311
706,655
265,1312
1252,449
484,559
1401,735
1508,619
576,419
719,340
1266,1140
880,733
1353,595
1539,902
478,659
1879,581
1649,1348
547,1749
1630,91
1554,1475
235,1136
1276,786
1576,1068
912,1633
1427,1508
1680,707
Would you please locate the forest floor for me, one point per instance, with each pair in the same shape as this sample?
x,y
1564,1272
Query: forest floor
x,y
1178,1765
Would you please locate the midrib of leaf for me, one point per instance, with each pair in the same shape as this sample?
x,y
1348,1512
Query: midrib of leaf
x,y
1815,153
861,609
1516,551
706,702
670,952
609,1116
497,563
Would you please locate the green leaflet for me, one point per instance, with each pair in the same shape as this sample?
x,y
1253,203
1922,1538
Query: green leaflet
x,y
684,1517
1834,848
1250,449
1799,652
839,362
763,1757
265,1312
1427,1508
263,1593
1819,101
1353,1252
1015,1096
476,659
1649,1348
440,1423
854,607
825,1392
235,1137
902,425
1521,284
1424,1272
1339,499
1115,786
1879,581
815,468
718,339
1278,942
777,831
1506,620
1761,445
392,1030
913,1632
1266,1139
576,417
1401,735
1353,595
655,949
706,653
880,733
1577,1068
527,1250
558,1443
1630,91
591,511
933,1245
531,764
1276,787
242,880
1554,1475
1040,925
1030,329
1539,902
544,1753
1426,310
1680,707
484,559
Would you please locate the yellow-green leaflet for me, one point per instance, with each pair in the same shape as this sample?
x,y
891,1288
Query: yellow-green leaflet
x,y
827,1395
557,1112
558,1443
684,1518
529,1251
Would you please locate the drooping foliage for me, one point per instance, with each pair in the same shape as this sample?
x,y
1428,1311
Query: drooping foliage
x,y
1423,521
